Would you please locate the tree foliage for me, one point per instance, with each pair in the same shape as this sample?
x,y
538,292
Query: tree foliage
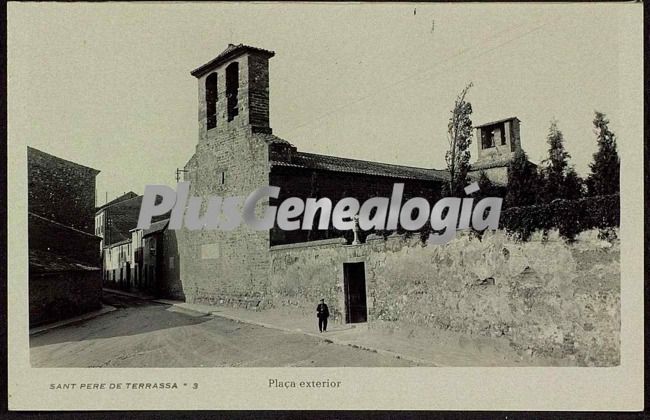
x,y
572,188
487,188
523,181
569,217
604,176
459,132
554,168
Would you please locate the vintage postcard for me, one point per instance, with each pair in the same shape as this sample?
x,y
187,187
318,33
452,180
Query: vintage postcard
x,y
315,206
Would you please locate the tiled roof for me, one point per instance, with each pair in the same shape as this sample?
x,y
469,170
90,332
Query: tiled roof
x,y
230,52
155,227
60,225
41,261
118,244
121,218
271,138
123,197
338,164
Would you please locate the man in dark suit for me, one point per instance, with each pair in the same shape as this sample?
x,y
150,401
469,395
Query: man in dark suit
x,y
323,312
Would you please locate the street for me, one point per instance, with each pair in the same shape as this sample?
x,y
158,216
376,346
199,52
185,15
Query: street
x,y
142,333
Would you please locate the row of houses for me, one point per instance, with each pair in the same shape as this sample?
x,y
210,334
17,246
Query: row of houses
x,y
135,259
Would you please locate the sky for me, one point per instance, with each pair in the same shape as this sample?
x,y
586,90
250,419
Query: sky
x,y
108,85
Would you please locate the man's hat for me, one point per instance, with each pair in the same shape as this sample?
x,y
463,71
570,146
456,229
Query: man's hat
x,y
322,300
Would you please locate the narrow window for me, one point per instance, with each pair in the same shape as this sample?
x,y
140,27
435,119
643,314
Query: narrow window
x,y
232,87
211,100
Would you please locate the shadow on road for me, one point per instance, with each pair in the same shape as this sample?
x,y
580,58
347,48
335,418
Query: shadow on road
x,y
133,317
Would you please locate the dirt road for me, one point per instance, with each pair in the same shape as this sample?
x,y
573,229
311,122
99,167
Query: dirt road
x,y
146,334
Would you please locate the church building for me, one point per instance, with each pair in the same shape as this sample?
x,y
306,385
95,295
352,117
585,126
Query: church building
x,y
237,153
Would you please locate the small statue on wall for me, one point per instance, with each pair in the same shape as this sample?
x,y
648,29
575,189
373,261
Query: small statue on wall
x,y
355,230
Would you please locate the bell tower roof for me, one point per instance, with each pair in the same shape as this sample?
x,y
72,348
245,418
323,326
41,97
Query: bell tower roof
x,y
228,54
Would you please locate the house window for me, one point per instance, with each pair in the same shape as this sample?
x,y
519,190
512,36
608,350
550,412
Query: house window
x,y
232,88
211,100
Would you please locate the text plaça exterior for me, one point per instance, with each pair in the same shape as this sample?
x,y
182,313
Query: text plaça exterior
x,y
380,213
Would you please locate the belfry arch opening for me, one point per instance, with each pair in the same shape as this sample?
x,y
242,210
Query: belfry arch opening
x,y
232,89
211,98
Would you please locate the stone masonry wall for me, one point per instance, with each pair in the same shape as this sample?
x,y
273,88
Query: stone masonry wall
x,y
550,299
62,295
62,191
216,265
170,281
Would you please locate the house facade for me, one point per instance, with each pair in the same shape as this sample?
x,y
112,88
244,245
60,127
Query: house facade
x,y
117,263
64,265
115,219
122,244
160,262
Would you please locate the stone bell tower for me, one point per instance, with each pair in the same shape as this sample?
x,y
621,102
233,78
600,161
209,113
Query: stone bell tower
x,y
234,91
231,160
497,143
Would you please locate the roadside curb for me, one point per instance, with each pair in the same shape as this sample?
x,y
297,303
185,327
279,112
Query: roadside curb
x,y
327,339
90,315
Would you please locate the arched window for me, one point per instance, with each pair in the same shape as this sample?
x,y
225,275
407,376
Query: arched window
x,y
211,100
232,87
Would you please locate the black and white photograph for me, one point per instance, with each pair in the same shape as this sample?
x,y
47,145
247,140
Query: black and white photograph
x,y
340,187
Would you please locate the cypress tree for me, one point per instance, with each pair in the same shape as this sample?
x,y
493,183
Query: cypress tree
x,y
487,188
522,181
604,176
572,187
459,137
554,168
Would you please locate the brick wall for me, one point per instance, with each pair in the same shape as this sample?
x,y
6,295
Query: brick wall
x,y
61,295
